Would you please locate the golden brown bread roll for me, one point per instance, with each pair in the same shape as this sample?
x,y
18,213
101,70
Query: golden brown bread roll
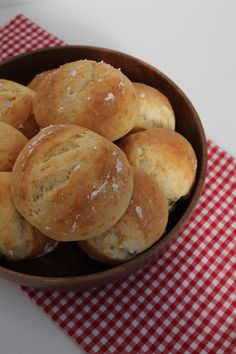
x,y
140,226
11,143
38,79
89,94
155,109
71,183
165,155
15,102
18,239
30,127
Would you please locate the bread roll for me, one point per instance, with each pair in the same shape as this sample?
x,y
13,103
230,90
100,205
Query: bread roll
x,y
141,226
11,143
38,79
155,109
18,239
15,102
90,94
71,183
30,127
165,155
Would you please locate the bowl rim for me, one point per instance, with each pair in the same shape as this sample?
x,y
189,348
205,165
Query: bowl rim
x,y
99,277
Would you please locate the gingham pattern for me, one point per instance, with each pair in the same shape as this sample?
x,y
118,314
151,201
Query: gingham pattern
x,y
184,301
22,35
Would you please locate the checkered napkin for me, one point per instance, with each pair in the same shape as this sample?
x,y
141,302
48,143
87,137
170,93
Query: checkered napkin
x,y
185,300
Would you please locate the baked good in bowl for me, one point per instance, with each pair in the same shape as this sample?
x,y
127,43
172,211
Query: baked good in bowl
x,y
18,239
142,224
91,94
15,102
166,156
64,180
155,109
35,83
65,267
11,143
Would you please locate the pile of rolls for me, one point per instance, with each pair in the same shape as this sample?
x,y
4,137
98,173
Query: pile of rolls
x,y
88,156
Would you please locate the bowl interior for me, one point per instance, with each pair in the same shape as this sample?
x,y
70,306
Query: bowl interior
x,y
67,265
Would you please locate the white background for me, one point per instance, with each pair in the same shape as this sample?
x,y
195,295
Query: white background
x,y
193,42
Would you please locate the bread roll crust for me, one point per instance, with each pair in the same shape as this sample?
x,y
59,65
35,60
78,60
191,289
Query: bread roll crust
x,y
71,183
11,143
165,155
155,109
15,102
89,94
18,239
140,226
35,83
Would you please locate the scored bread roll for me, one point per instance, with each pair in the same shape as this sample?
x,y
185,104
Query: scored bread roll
x,y
89,94
165,155
18,239
35,83
155,109
140,226
11,143
15,102
71,183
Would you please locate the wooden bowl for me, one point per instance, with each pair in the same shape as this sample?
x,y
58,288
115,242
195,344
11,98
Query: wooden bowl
x,y
68,267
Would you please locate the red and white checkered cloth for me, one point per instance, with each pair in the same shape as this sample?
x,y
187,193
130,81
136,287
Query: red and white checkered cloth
x,y
184,301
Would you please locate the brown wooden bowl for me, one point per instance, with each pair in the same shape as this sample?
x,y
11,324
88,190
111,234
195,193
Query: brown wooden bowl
x,y
68,267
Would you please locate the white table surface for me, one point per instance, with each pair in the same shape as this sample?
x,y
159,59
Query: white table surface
x,y
193,42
